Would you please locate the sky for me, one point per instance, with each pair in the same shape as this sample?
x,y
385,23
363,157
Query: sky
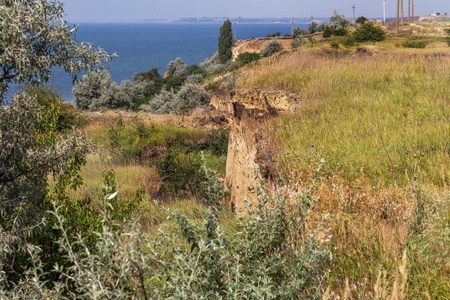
x,y
131,10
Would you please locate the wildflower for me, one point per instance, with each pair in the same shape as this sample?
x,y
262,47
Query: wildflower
x,y
312,146
330,236
308,237
335,248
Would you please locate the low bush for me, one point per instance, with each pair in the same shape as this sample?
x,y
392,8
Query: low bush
x,y
414,43
369,32
447,31
348,40
297,42
247,57
68,116
276,34
272,47
274,256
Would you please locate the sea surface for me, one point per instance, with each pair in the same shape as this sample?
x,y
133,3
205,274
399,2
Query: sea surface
x,y
141,47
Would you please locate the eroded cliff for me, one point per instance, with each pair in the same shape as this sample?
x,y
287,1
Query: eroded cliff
x,y
250,110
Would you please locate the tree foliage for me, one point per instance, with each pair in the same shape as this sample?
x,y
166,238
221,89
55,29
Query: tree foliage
x,y
225,42
99,91
338,21
34,38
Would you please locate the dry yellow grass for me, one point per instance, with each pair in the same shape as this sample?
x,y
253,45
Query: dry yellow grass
x,y
130,178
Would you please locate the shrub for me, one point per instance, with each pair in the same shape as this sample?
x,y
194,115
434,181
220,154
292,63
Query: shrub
x,y
299,32
274,256
196,70
271,48
196,79
181,171
414,43
190,96
334,44
49,98
213,65
177,67
447,31
369,32
174,82
276,34
361,20
163,103
312,28
348,40
98,91
297,42
247,57
329,31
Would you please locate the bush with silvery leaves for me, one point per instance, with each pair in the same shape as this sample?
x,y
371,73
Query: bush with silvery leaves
x,y
272,47
272,256
98,91
177,67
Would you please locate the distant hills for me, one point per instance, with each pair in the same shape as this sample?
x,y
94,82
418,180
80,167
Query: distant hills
x,y
220,20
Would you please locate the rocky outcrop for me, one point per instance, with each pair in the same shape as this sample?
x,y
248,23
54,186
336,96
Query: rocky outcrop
x,y
250,111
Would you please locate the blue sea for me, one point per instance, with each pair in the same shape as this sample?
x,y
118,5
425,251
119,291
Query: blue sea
x,y
141,47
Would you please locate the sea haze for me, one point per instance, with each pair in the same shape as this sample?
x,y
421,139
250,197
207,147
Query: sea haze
x,y
141,47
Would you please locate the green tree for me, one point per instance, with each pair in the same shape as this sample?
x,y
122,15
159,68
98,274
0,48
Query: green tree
x,y
225,42
34,38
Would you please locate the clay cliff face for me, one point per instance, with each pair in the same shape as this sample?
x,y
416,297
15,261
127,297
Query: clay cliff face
x,y
249,110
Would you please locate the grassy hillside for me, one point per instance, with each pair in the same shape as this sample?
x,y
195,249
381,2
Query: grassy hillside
x,y
373,130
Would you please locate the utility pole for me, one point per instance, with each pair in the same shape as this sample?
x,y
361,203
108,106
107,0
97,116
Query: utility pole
x,y
396,20
402,12
409,10
235,30
292,27
384,11
413,20
312,19
354,14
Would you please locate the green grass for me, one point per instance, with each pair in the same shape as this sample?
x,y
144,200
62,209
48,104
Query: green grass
x,y
379,127
387,115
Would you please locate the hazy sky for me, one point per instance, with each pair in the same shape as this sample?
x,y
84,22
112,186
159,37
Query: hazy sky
x,y
123,10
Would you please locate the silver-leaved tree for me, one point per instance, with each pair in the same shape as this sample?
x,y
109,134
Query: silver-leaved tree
x,y
34,39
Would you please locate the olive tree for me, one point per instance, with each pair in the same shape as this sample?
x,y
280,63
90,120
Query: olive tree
x,y
34,38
